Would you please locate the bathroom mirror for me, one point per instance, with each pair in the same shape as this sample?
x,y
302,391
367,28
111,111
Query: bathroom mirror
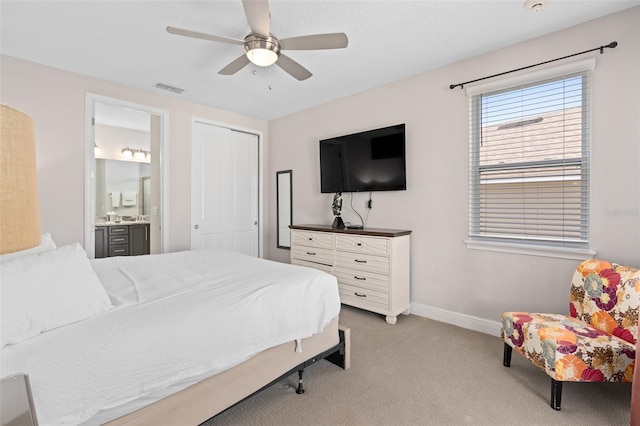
x,y
285,208
122,187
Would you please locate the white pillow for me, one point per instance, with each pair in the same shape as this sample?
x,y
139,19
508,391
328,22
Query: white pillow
x,y
46,244
43,291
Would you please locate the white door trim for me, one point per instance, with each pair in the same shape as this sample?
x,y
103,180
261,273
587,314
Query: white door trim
x,y
259,134
89,168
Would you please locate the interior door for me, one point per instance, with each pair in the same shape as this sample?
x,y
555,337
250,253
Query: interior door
x,y
224,189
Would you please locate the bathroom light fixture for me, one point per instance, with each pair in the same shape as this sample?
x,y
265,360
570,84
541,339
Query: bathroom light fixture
x,y
136,154
139,154
261,51
127,153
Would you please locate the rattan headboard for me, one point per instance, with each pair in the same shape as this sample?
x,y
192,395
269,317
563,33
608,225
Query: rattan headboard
x,y
19,208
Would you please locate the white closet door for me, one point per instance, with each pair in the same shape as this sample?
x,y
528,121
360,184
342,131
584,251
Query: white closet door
x,y
224,189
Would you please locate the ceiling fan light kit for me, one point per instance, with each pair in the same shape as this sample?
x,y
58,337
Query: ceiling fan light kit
x,y
262,48
261,51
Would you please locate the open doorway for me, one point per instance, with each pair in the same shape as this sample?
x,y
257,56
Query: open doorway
x,y
124,191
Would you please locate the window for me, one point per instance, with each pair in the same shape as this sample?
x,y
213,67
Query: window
x,y
529,164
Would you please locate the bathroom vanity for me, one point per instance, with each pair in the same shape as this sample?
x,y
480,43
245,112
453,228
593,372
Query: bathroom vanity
x,y
122,239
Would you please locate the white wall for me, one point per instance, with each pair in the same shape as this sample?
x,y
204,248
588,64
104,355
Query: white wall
x,y
448,280
55,99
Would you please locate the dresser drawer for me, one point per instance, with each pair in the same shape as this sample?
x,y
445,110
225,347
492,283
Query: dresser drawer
x,y
118,239
312,254
362,262
363,280
361,244
320,266
312,239
363,298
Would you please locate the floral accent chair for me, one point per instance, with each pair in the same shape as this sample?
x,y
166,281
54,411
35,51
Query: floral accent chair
x,y
596,343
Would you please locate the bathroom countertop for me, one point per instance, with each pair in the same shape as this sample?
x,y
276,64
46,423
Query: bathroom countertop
x,y
124,222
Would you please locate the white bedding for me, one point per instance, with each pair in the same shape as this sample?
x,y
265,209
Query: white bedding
x,y
178,317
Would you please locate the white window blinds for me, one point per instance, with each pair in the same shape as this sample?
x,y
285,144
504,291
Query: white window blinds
x,y
529,163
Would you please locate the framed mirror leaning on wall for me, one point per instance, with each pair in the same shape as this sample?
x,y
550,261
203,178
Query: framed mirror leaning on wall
x,y
284,203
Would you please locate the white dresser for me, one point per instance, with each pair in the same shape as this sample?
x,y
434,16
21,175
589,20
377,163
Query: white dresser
x,y
372,265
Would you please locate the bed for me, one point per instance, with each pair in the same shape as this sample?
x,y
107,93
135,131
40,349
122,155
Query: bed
x,y
161,339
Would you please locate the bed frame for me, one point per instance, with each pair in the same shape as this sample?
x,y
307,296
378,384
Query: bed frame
x,y
203,400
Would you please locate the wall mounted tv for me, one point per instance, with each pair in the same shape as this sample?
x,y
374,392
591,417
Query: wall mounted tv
x,y
367,161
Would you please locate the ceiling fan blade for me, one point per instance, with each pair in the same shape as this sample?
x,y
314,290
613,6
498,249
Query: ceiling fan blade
x,y
315,42
203,36
290,66
258,16
235,66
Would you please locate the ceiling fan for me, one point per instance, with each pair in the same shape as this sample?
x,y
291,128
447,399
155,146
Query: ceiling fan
x,y
263,48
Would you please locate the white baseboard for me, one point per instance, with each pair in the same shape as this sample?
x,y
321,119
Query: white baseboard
x,y
455,318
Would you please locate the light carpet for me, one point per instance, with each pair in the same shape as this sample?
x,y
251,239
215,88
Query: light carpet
x,y
424,372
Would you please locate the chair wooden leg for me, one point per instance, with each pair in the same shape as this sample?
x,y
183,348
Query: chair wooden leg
x,y
556,394
506,358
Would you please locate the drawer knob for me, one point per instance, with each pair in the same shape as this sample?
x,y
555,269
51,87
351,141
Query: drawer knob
x,y
359,244
310,253
359,261
359,278
360,295
310,239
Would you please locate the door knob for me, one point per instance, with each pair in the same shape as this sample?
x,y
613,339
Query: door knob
x,y
196,227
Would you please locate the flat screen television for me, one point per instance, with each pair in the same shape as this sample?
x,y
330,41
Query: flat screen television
x,y
367,161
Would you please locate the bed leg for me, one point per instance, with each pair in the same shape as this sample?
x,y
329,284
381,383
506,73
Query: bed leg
x,y
300,390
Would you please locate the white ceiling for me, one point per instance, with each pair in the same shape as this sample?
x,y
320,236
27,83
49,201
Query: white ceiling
x,y
126,42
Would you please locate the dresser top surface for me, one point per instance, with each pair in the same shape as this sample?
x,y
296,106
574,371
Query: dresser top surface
x,y
378,232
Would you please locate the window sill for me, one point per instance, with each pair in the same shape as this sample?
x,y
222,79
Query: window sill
x,y
532,250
